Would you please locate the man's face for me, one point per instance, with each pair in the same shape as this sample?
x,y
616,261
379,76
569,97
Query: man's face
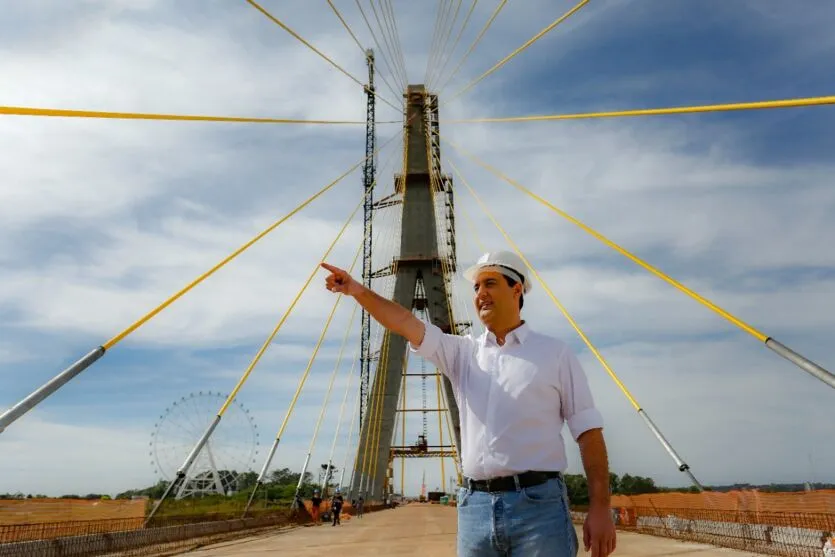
x,y
495,301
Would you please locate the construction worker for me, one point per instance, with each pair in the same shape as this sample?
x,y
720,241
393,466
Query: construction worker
x,y
336,506
360,504
515,389
315,503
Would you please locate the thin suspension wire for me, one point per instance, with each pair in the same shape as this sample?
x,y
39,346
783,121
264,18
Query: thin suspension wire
x,y
530,41
204,439
441,429
442,52
457,40
399,42
785,352
373,397
53,385
382,51
370,456
782,103
349,442
302,382
434,40
442,30
388,39
361,459
487,25
324,408
683,467
389,239
71,113
402,416
281,24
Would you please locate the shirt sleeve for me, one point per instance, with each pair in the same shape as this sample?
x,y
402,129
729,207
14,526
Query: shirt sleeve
x,y
442,350
577,402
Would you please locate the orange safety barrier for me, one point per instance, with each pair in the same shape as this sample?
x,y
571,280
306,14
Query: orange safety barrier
x,y
749,501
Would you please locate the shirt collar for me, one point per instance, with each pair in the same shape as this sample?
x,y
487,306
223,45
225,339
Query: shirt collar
x,y
516,336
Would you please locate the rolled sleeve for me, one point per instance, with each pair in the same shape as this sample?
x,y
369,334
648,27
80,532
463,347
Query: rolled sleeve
x,y
582,421
431,339
442,350
578,407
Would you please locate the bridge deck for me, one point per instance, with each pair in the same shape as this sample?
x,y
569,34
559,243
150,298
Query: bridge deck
x,y
416,529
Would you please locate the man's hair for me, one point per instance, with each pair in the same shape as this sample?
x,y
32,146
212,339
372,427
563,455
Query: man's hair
x,y
511,282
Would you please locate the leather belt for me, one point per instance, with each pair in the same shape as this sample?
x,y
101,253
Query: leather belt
x,y
511,483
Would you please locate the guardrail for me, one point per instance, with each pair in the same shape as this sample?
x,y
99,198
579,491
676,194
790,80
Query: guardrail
x,y
129,536
784,534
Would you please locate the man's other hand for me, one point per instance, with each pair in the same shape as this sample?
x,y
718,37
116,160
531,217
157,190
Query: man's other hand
x,y
599,532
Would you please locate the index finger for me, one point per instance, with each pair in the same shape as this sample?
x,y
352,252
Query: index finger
x,y
331,268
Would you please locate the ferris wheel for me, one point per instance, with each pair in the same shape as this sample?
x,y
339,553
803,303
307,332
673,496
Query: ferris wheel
x,y
229,452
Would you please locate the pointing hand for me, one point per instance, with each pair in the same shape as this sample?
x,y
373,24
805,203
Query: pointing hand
x,y
340,281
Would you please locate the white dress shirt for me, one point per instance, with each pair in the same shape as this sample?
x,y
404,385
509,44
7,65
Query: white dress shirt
x,y
513,399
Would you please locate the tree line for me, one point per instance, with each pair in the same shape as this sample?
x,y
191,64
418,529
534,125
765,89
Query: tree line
x,y
281,485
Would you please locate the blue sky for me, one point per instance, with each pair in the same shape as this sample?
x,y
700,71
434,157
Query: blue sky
x,y
101,220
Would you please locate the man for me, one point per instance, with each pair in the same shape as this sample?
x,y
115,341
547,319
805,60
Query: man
x,y
336,507
360,503
315,504
515,389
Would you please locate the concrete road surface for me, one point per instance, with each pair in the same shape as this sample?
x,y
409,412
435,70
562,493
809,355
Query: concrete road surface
x,y
416,530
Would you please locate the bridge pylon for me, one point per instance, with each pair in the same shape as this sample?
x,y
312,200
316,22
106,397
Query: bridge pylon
x,y
423,272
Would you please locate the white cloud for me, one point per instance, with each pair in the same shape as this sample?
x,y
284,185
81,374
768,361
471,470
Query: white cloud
x,y
100,221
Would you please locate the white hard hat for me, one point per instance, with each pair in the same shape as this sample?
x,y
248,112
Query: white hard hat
x,y
504,262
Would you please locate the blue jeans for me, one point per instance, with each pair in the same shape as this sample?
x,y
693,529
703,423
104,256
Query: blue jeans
x,y
531,522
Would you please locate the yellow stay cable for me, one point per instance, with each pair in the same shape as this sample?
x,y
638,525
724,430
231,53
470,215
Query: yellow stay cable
x,y
378,421
347,27
306,373
324,407
782,103
289,310
144,319
363,439
548,290
451,432
441,430
739,323
471,226
472,46
67,113
403,434
530,41
281,24
375,395
682,466
362,461
33,399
